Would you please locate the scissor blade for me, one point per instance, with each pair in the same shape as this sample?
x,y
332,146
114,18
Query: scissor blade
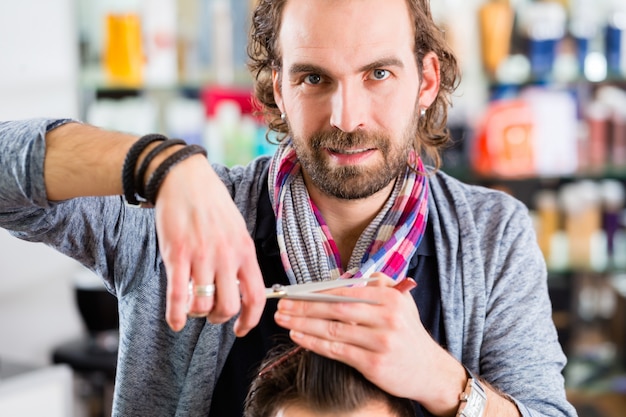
x,y
325,285
327,298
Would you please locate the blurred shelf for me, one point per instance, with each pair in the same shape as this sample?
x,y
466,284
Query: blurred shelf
x,y
94,78
597,404
468,175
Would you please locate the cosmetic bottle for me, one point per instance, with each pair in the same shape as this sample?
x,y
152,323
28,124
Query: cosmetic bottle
x,y
123,54
548,223
615,42
612,195
586,241
496,25
543,25
584,28
160,41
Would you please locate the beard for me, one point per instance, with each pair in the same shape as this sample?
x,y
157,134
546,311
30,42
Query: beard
x,y
355,181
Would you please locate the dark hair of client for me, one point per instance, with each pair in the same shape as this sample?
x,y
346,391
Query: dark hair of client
x,y
299,377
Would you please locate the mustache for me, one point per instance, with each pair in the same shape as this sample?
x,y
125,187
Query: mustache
x,y
338,139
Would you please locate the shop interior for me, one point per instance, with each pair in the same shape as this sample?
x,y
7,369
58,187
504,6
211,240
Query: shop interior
x,y
540,113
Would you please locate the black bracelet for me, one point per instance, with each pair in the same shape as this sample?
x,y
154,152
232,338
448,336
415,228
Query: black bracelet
x,y
141,172
128,169
157,177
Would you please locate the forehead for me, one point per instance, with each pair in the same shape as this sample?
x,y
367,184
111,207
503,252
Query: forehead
x,y
350,30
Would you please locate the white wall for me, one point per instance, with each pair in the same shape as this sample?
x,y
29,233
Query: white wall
x,y
38,77
39,59
37,307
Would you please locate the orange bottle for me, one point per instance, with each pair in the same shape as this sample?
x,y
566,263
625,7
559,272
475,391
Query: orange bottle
x,y
123,51
495,20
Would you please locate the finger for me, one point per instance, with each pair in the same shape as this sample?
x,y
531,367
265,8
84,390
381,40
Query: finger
x,y
177,294
405,285
201,296
363,334
252,290
355,355
330,349
385,314
375,366
382,281
346,311
202,276
201,299
227,302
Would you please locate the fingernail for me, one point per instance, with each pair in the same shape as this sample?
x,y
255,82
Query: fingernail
x,y
177,327
406,285
282,318
296,335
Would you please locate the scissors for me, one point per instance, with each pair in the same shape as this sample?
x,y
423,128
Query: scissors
x,y
309,291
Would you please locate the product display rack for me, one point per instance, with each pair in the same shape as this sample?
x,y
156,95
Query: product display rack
x,y
570,287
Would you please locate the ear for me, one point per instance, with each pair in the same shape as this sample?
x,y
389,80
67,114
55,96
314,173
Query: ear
x,y
278,96
429,86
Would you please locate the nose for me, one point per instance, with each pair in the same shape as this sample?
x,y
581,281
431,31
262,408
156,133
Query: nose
x,y
348,105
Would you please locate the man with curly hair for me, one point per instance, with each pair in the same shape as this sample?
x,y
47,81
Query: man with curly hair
x,y
360,90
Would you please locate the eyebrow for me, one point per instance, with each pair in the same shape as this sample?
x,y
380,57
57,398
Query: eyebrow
x,y
383,62
308,68
315,69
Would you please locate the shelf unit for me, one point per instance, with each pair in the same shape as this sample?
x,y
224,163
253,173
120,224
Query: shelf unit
x,y
566,285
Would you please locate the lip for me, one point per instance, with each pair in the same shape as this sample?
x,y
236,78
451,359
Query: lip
x,y
350,156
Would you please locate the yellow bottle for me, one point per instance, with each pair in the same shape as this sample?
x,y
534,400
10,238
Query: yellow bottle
x,y
495,20
123,52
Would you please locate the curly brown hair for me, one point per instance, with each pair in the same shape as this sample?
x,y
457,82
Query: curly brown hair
x,y
264,53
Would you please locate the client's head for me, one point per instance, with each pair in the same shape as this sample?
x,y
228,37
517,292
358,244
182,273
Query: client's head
x,y
298,383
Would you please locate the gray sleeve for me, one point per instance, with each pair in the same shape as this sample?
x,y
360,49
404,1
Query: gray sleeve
x,y
87,229
22,151
495,301
520,352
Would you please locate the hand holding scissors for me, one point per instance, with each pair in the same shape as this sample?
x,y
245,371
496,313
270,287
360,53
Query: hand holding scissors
x,y
384,340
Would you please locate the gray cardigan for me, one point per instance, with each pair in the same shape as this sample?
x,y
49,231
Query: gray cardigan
x,y
496,310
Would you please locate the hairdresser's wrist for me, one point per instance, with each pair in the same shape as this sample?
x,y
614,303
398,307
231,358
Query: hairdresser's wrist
x,y
157,160
443,391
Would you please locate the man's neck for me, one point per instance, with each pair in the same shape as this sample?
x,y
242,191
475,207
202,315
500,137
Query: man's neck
x,y
347,219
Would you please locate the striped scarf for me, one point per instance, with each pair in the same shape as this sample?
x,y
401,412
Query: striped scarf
x,y
308,251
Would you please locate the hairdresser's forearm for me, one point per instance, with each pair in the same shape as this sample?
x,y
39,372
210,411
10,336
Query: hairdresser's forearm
x,y
83,160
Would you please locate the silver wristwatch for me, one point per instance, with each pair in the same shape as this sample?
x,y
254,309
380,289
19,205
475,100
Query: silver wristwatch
x,y
473,399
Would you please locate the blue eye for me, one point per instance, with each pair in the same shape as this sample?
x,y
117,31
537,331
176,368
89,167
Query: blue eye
x,y
380,74
313,79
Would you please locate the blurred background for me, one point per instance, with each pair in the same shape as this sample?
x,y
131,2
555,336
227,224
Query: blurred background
x,y
540,114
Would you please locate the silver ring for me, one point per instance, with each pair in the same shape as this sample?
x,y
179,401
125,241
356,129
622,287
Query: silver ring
x,y
204,290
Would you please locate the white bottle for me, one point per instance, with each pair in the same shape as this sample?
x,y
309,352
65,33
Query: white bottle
x,y
160,38
223,42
